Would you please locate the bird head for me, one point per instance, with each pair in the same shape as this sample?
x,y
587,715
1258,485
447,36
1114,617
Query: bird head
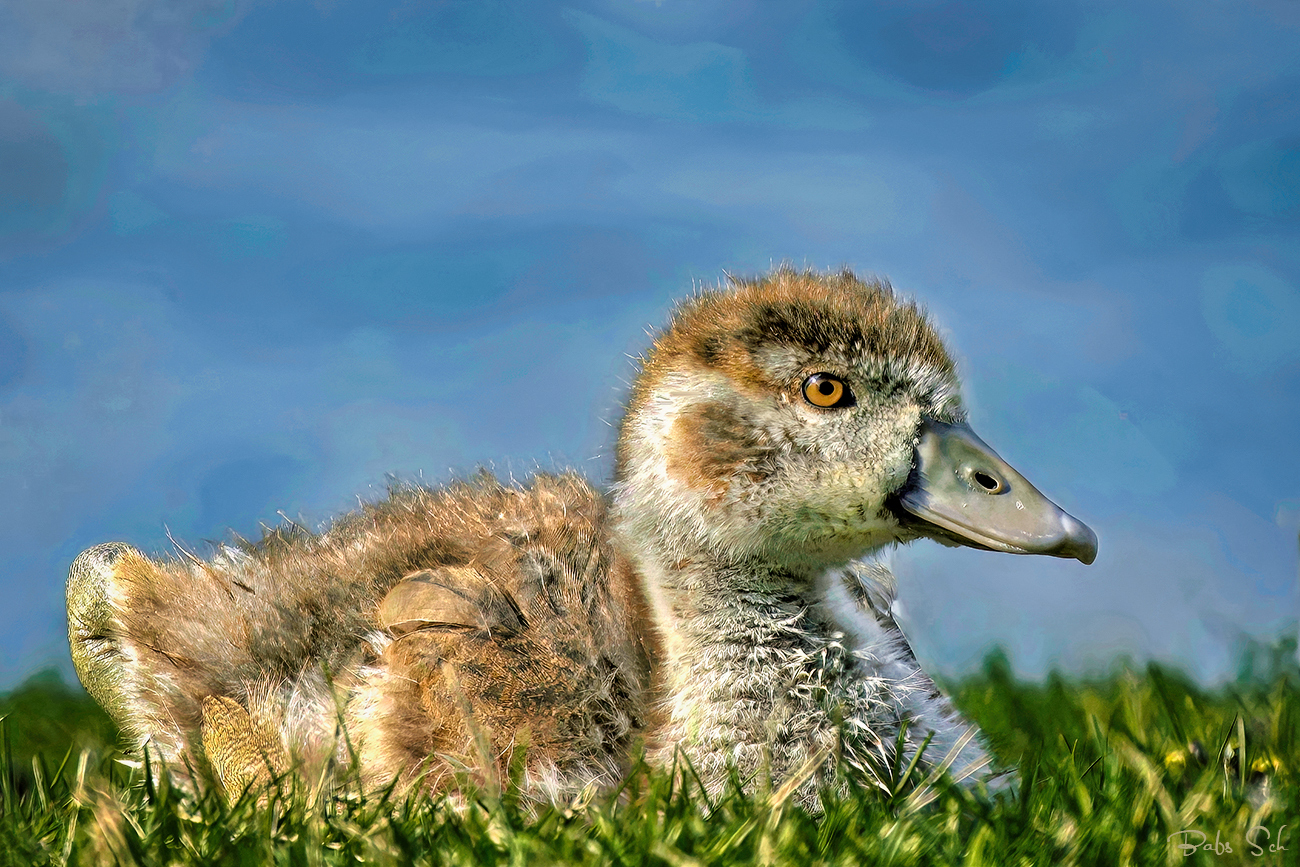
x,y
809,419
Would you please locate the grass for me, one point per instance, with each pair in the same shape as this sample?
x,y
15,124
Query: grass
x,y
1112,767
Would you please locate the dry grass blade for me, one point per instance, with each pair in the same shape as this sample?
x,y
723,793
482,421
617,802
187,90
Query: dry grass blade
x,y
925,793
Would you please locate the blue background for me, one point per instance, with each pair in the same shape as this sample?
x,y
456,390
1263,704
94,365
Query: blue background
x,y
256,255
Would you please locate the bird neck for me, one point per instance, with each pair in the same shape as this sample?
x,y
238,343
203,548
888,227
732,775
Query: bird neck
x,y
752,658
704,599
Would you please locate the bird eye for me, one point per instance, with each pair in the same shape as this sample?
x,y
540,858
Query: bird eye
x,y
826,391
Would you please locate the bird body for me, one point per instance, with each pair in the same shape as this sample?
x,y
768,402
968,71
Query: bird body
x,y
715,602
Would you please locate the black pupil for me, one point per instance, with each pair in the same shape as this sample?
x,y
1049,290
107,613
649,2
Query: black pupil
x,y
986,481
826,387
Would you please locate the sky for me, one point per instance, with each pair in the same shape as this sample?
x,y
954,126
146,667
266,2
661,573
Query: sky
x,y
258,257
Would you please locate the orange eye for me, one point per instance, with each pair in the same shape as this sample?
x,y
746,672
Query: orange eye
x,y
826,391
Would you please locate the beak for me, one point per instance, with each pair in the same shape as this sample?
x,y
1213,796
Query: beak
x,y
963,493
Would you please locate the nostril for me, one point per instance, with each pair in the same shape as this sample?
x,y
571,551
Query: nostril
x,y
987,482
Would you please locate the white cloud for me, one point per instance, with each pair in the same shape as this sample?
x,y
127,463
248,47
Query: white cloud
x,y
699,81
391,171
1254,313
820,194
107,45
